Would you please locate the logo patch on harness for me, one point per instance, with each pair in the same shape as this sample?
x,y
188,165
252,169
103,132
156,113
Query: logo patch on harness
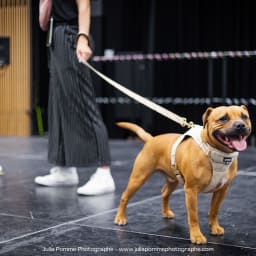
x,y
227,160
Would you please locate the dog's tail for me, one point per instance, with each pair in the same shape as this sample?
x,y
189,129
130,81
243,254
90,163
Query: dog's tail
x,y
142,134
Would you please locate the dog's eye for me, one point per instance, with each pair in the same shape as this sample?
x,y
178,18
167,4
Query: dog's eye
x,y
244,117
224,118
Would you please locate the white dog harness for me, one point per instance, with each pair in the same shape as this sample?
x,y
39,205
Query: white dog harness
x,y
220,161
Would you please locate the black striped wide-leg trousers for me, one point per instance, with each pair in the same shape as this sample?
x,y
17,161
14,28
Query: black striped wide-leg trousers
x,y
77,134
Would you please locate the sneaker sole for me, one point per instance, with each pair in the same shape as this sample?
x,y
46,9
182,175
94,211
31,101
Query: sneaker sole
x,y
96,194
56,184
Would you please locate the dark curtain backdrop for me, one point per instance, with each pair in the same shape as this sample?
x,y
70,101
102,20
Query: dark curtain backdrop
x,y
186,26
147,26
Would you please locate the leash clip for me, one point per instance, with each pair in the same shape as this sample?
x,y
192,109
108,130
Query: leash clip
x,y
187,124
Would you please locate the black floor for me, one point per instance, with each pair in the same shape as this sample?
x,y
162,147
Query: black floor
x,y
37,220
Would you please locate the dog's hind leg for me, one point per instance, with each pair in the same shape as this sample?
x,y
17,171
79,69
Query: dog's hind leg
x,y
167,189
141,172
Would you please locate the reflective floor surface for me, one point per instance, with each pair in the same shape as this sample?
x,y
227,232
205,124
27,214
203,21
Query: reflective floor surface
x,y
37,220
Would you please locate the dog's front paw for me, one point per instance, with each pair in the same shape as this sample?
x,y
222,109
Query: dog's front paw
x,y
198,238
120,220
217,230
168,214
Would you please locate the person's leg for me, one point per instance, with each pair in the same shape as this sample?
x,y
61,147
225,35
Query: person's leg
x,y
86,137
60,174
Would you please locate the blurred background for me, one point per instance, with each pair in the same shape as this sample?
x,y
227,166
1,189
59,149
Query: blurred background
x,y
182,85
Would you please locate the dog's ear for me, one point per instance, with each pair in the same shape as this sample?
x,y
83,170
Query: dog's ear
x,y
206,114
244,107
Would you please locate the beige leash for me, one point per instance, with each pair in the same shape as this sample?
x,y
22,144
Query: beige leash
x,y
148,103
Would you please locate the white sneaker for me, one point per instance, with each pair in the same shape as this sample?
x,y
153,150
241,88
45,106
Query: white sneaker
x,y
101,182
59,176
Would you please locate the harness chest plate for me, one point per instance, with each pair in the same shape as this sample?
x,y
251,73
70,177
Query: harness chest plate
x,y
220,161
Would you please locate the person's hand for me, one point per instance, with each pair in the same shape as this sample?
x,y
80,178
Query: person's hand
x,y
83,50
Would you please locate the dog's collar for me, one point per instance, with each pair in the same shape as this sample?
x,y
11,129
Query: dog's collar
x,y
220,157
220,160
214,154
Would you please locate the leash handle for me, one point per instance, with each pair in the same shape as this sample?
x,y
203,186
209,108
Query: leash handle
x,y
146,102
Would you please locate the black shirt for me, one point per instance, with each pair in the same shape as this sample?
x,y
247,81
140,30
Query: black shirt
x,y
65,11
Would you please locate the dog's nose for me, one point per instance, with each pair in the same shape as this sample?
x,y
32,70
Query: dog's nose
x,y
239,126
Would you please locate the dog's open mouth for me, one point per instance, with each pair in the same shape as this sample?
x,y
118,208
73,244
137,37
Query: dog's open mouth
x,y
235,142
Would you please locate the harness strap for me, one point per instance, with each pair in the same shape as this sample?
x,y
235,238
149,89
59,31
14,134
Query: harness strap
x,y
196,129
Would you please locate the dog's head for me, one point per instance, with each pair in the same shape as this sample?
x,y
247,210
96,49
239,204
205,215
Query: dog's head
x,y
227,128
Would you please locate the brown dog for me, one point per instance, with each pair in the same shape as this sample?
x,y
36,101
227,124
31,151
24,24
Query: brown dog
x,y
206,162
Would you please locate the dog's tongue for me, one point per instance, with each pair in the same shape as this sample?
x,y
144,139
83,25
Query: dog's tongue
x,y
239,145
